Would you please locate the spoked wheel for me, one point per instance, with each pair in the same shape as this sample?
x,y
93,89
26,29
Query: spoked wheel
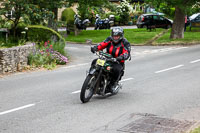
x,y
87,90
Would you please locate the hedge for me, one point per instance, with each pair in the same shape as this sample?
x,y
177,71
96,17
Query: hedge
x,y
68,16
42,33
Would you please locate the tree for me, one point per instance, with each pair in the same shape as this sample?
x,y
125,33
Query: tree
x,y
50,9
22,10
181,9
84,5
33,11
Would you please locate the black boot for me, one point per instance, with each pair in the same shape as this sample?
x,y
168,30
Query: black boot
x,y
115,88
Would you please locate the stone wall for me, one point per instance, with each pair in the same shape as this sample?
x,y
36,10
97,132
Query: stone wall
x,y
14,59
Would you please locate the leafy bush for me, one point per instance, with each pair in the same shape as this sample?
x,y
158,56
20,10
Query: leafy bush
x,y
41,33
123,11
5,24
11,42
68,16
48,55
117,18
61,23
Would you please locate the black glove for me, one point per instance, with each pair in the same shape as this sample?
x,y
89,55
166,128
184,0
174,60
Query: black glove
x,y
94,49
119,58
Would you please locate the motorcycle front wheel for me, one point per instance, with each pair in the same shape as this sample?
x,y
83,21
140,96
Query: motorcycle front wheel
x,y
87,90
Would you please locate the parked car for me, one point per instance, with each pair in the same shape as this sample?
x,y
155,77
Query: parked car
x,y
195,20
159,21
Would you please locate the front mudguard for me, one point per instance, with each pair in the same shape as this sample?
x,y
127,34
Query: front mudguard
x,y
92,71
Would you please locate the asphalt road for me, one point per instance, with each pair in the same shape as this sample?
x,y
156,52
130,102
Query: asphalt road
x,y
162,81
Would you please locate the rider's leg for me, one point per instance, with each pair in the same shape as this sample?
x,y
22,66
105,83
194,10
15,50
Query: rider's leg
x,y
116,72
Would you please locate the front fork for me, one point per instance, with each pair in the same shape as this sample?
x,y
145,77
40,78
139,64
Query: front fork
x,y
100,82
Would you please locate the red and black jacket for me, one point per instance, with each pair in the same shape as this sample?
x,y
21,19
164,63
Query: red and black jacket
x,y
122,48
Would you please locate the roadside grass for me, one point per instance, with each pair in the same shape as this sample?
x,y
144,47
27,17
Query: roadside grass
x,y
134,36
189,37
197,130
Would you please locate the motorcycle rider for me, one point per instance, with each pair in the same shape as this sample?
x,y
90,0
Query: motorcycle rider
x,y
98,19
119,48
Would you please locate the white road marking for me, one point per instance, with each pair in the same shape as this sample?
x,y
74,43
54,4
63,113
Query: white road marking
x,y
119,81
169,69
126,79
195,61
145,52
72,66
16,109
76,92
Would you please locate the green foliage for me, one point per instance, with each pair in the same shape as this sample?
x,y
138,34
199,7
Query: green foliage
x,y
182,7
168,6
47,55
117,18
123,11
61,23
41,33
189,37
30,11
11,42
84,5
68,15
111,7
5,24
197,130
42,60
59,47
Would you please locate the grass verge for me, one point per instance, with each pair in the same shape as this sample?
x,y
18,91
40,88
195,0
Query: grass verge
x,y
190,37
197,130
134,36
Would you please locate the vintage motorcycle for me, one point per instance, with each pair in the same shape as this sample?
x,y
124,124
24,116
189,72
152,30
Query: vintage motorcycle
x,y
81,25
98,78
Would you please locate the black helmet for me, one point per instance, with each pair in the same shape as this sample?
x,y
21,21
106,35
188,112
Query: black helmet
x,y
117,31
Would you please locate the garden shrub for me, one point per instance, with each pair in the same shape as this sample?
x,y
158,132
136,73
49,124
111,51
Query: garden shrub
x,y
40,33
48,55
68,16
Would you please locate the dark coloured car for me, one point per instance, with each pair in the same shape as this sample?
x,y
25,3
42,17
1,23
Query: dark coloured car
x,y
158,21
195,20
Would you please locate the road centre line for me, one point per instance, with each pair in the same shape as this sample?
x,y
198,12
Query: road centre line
x,y
171,68
16,109
195,61
126,79
78,65
78,91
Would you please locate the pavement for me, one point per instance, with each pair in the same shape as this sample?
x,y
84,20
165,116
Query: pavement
x,y
92,28
124,27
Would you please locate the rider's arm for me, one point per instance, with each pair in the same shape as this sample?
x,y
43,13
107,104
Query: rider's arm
x,y
104,44
126,51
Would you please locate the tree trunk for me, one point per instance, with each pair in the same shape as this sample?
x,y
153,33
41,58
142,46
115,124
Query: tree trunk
x,y
178,25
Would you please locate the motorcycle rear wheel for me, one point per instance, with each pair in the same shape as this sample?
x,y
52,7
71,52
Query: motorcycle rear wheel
x,y
87,90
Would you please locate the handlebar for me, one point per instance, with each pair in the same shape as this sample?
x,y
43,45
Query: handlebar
x,y
108,56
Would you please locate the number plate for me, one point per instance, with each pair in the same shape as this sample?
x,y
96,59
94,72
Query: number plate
x,y
100,62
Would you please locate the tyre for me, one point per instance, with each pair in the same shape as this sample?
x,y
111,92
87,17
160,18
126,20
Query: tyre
x,y
87,90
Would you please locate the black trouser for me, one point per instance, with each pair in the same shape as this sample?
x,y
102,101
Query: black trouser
x,y
117,69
